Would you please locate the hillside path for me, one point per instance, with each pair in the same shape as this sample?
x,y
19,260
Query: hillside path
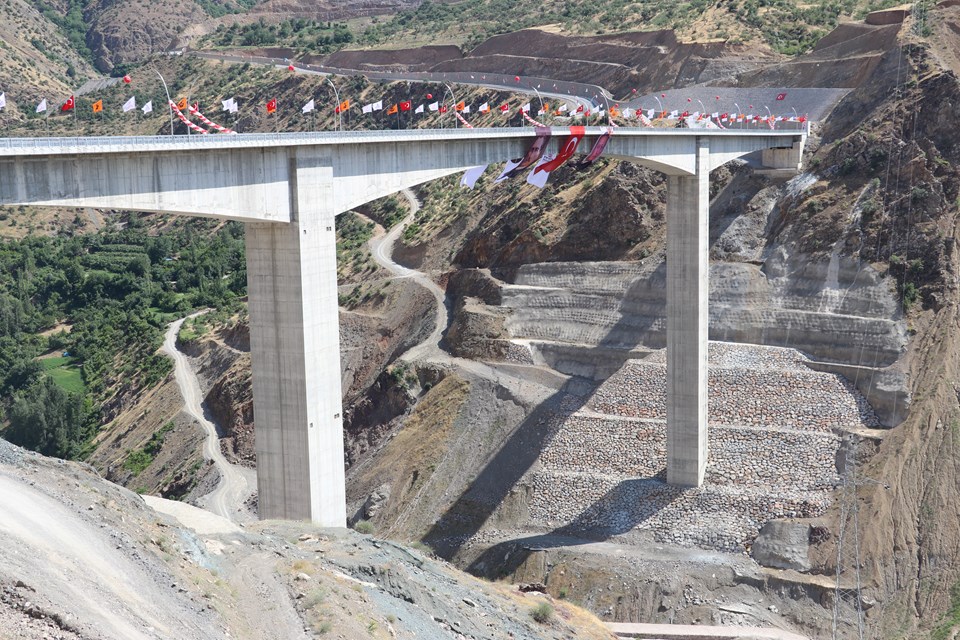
x,y
236,483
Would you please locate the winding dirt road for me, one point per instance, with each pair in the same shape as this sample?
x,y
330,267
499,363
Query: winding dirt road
x,y
236,483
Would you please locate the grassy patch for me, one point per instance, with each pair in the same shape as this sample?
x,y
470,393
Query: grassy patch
x,y
65,372
140,459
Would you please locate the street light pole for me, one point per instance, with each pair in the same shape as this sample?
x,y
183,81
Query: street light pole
x,y
339,112
169,106
454,98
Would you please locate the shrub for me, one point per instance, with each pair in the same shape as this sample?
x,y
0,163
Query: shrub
x,y
542,613
364,526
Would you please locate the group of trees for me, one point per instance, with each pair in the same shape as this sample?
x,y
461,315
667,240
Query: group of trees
x,y
298,33
116,289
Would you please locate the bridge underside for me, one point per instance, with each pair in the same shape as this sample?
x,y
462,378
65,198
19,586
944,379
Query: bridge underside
x,y
289,198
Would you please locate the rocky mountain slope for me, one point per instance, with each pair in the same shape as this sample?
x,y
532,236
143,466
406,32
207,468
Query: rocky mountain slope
x,y
125,570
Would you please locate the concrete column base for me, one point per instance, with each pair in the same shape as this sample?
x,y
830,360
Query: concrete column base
x,y
688,245
295,349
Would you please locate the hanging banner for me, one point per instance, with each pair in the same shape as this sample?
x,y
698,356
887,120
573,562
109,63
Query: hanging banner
x,y
597,150
566,151
534,153
470,176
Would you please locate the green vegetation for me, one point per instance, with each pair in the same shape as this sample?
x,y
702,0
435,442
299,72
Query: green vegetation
x,y
117,289
298,33
72,24
140,459
542,613
364,526
951,618
352,237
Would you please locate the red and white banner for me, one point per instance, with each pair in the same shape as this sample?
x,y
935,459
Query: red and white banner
x,y
185,120
195,110
531,120
466,124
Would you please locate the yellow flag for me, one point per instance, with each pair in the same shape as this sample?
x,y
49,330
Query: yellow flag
x,y
98,106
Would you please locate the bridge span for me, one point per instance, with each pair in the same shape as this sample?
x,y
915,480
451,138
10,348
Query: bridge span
x,y
288,188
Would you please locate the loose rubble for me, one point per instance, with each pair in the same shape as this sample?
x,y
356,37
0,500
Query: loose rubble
x,y
774,435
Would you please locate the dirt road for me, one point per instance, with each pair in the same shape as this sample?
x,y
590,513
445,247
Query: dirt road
x,y
236,483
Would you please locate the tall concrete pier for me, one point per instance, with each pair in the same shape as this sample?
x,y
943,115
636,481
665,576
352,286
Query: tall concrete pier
x,y
289,188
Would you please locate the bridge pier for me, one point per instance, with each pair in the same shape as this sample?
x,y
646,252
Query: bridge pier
x,y
688,268
295,353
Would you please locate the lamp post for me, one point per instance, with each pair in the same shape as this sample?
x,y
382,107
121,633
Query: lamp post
x,y
454,99
337,94
169,106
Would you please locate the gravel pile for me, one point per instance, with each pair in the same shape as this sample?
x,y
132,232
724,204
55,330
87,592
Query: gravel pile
x,y
795,399
773,443
725,518
10,454
738,455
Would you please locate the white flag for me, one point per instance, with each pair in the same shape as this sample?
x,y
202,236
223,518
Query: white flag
x,y
599,113
367,108
628,113
562,108
310,106
433,106
510,166
470,176
466,109
715,114
378,105
42,106
525,108
539,179
418,109
230,105
650,113
484,108
674,114
3,100
147,108
130,104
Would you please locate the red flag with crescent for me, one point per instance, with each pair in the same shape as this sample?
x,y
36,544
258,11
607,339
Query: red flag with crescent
x,y
566,151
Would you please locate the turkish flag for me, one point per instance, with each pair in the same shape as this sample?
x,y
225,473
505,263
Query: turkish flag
x,y
405,105
443,108
68,105
580,108
504,108
781,96
566,151
272,105
127,80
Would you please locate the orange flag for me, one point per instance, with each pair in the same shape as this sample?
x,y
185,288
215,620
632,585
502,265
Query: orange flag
x,y
98,106
182,104
460,106
392,110
344,105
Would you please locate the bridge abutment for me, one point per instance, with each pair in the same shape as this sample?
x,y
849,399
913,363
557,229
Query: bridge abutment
x,y
295,349
688,268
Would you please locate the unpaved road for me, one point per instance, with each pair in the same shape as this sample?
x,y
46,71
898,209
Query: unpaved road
x,y
236,483
382,249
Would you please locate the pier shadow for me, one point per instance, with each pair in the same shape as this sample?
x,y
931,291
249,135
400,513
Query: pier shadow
x,y
501,475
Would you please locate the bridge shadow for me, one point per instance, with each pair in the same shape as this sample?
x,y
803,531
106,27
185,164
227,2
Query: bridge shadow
x,y
498,482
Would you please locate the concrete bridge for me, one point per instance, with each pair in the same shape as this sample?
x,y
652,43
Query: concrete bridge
x,y
288,188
